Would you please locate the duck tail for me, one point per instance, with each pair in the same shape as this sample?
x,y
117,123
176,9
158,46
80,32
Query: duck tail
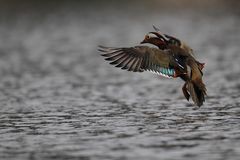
x,y
197,91
195,85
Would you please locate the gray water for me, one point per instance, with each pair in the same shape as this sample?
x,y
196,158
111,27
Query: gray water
x,y
60,100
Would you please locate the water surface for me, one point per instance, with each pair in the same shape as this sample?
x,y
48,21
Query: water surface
x,y
60,100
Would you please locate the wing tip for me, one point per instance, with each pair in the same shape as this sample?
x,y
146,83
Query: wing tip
x,y
155,28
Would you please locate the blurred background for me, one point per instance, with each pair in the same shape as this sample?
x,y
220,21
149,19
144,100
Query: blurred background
x,y
60,100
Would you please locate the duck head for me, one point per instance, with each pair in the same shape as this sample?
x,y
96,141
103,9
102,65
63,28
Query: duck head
x,y
160,43
169,40
172,41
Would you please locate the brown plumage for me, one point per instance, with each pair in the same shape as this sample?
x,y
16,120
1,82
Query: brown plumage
x,y
193,81
170,60
140,58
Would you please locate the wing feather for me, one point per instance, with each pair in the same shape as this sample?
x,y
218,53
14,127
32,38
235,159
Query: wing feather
x,y
137,59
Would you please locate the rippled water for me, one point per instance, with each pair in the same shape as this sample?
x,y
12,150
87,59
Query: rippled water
x,y
60,100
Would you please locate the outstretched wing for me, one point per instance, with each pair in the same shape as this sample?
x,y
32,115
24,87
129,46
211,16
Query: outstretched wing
x,y
139,59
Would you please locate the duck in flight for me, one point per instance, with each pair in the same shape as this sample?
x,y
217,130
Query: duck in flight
x,y
171,59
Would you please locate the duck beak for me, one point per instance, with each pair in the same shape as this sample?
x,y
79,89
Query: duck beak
x,y
143,42
145,39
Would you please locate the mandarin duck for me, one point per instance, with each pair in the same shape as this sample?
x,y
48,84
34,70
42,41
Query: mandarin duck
x,y
171,59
